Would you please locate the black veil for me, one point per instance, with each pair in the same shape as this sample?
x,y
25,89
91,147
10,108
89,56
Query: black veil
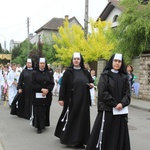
x,y
37,65
81,62
110,62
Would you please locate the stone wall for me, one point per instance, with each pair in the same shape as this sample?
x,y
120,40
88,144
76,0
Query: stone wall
x,y
100,66
144,77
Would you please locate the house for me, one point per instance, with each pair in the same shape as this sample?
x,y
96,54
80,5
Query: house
x,y
45,32
14,44
111,12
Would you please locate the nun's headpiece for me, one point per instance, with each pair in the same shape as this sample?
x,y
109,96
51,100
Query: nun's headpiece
x,y
117,56
29,60
76,55
42,60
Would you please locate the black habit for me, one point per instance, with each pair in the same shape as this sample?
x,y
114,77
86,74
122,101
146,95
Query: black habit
x,y
25,104
110,132
73,126
41,106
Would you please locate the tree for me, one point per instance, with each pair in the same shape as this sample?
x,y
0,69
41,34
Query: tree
x,y
20,52
97,45
71,39
132,36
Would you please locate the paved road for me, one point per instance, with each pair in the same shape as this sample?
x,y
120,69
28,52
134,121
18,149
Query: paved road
x,y
17,133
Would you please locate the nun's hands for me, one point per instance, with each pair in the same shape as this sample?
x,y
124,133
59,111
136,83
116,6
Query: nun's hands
x,y
44,91
119,106
61,103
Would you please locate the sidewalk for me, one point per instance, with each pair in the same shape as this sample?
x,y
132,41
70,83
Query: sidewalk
x,y
140,104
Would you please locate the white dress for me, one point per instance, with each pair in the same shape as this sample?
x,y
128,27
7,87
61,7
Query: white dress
x,y
56,86
12,91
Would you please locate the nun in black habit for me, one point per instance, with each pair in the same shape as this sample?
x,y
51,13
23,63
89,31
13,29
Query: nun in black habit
x,y
25,87
73,127
43,84
110,130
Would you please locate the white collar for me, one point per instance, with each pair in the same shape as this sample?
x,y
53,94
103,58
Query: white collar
x,y
77,68
114,71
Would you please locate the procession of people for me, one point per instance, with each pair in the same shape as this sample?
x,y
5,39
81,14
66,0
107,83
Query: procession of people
x,y
29,91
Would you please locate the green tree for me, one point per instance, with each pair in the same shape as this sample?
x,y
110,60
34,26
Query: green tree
x,y
132,36
20,52
49,51
98,45
71,39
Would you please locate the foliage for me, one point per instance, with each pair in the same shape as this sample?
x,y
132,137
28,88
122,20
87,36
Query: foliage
x,y
97,45
20,53
71,39
49,52
132,36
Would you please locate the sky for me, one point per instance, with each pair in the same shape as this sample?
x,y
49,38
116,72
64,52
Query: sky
x,y
14,14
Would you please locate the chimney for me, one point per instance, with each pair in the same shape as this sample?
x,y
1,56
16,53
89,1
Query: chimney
x,y
66,17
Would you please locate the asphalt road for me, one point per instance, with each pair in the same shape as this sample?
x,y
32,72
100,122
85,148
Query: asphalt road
x,y
17,133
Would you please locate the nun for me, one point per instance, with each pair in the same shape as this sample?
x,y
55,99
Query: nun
x,y
25,87
43,83
110,130
73,127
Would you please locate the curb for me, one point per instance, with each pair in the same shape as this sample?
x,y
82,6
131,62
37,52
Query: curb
x,y
141,108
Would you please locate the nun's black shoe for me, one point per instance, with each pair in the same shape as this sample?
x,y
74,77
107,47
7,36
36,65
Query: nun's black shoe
x,y
81,146
39,131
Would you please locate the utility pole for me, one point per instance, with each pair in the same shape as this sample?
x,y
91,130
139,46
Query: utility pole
x,y
86,18
28,37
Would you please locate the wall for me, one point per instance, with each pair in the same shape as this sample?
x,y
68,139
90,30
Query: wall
x,y
144,77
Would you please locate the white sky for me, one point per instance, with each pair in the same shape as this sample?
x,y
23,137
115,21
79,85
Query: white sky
x,y
14,13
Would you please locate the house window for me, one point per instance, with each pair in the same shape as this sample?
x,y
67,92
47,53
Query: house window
x,y
115,18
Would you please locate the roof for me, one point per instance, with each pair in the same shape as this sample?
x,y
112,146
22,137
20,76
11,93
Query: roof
x,y
109,7
55,23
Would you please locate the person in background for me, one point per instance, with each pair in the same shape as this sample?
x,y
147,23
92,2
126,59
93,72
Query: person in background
x,y
19,68
12,81
5,86
87,66
2,81
73,127
9,67
56,76
50,69
43,83
25,87
110,130
130,75
92,91
61,76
